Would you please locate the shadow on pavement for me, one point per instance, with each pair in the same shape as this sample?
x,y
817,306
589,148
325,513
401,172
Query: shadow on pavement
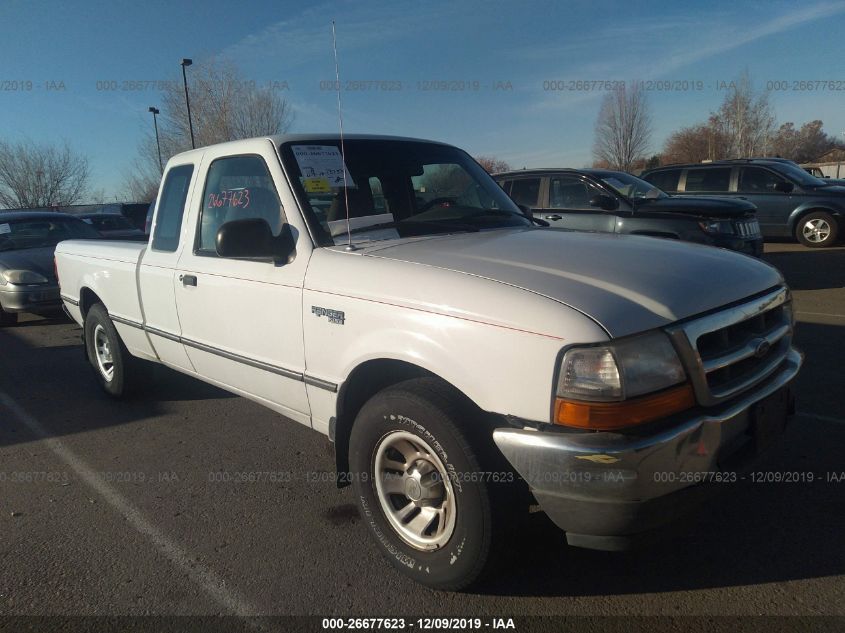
x,y
810,269
57,386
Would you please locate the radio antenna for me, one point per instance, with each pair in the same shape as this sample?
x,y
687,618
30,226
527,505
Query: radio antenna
x,y
349,246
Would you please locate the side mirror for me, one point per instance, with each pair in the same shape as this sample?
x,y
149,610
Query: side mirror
x,y
603,201
784,187
252,238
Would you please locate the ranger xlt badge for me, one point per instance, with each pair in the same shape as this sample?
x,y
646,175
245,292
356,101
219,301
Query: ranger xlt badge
x,y
335,316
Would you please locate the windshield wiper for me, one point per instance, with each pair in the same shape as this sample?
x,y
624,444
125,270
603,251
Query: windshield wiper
x,y
396,224
495,212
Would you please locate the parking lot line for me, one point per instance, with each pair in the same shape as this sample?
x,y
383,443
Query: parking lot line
x,y
210,582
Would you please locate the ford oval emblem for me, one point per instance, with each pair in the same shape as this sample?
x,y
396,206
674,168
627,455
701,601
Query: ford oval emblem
x,y
762,349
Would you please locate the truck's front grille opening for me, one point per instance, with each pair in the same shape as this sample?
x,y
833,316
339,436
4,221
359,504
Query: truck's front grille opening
x,y
738,347
715,344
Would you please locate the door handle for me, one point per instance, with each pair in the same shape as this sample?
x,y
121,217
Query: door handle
x,y
188,280
552,217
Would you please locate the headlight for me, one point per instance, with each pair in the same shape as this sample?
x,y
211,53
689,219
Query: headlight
x,y
717,226
24,277
608,386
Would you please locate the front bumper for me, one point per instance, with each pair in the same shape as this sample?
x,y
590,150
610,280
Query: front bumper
x,y
35,298
605,488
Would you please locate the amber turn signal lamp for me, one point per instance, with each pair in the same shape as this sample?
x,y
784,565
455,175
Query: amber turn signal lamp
x,y
607,416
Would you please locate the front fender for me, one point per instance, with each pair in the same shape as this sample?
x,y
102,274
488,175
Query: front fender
x,y
502,370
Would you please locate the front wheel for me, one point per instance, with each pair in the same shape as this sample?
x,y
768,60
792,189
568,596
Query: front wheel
x,y
817,230
419,484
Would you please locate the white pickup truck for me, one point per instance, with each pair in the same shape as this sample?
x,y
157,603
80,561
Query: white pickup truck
x,y
388,294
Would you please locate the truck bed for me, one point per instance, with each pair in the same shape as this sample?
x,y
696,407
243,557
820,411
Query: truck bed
x,y
106,270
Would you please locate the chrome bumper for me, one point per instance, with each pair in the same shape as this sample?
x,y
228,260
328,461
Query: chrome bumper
x,y
610,484
30,298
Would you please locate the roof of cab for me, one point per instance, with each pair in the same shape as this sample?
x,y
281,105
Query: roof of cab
x,y
279,139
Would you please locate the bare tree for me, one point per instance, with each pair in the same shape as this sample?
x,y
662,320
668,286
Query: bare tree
x,y
696,143
34,175
224,107
623,129
804,144
492,165
745,119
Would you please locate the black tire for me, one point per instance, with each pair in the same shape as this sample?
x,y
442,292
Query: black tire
x,y
8,319
128,372
817,229
430,410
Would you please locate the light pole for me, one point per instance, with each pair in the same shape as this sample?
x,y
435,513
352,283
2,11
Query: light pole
x,y
156,111
184,63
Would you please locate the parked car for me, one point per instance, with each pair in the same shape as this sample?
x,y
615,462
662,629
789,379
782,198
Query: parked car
x,y
818,173
617,202
113,226
455,353
790,202
27,277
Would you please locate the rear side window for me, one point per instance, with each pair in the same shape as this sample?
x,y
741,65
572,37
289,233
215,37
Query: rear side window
x,y
708,179
237,188
171,208
665,180
526,191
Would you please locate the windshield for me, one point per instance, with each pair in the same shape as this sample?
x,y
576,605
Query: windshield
x,y
631,186
24,233
798,174
394,189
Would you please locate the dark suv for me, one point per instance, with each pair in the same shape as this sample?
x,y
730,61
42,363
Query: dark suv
x,y
617,202
790,202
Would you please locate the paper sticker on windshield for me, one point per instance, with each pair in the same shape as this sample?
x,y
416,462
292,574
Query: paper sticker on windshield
x,y
316,185
88,220
5,228
322,161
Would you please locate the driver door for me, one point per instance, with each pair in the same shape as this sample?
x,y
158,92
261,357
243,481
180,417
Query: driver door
x,y
242,319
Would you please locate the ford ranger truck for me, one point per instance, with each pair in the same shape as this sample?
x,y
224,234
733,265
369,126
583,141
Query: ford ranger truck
x,y
388,294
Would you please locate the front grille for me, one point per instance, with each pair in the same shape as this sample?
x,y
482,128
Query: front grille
x,y
730,351
747,228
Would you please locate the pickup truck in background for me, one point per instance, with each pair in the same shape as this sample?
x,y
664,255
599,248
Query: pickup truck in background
x,y
464,362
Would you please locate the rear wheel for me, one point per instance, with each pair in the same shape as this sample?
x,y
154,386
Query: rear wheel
x,y
7,318
817,229
420,485
117,371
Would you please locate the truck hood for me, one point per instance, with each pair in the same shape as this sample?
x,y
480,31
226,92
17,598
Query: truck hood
x,y
626,283
705,207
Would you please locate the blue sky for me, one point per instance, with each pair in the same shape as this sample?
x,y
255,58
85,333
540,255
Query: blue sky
x,y
65,48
